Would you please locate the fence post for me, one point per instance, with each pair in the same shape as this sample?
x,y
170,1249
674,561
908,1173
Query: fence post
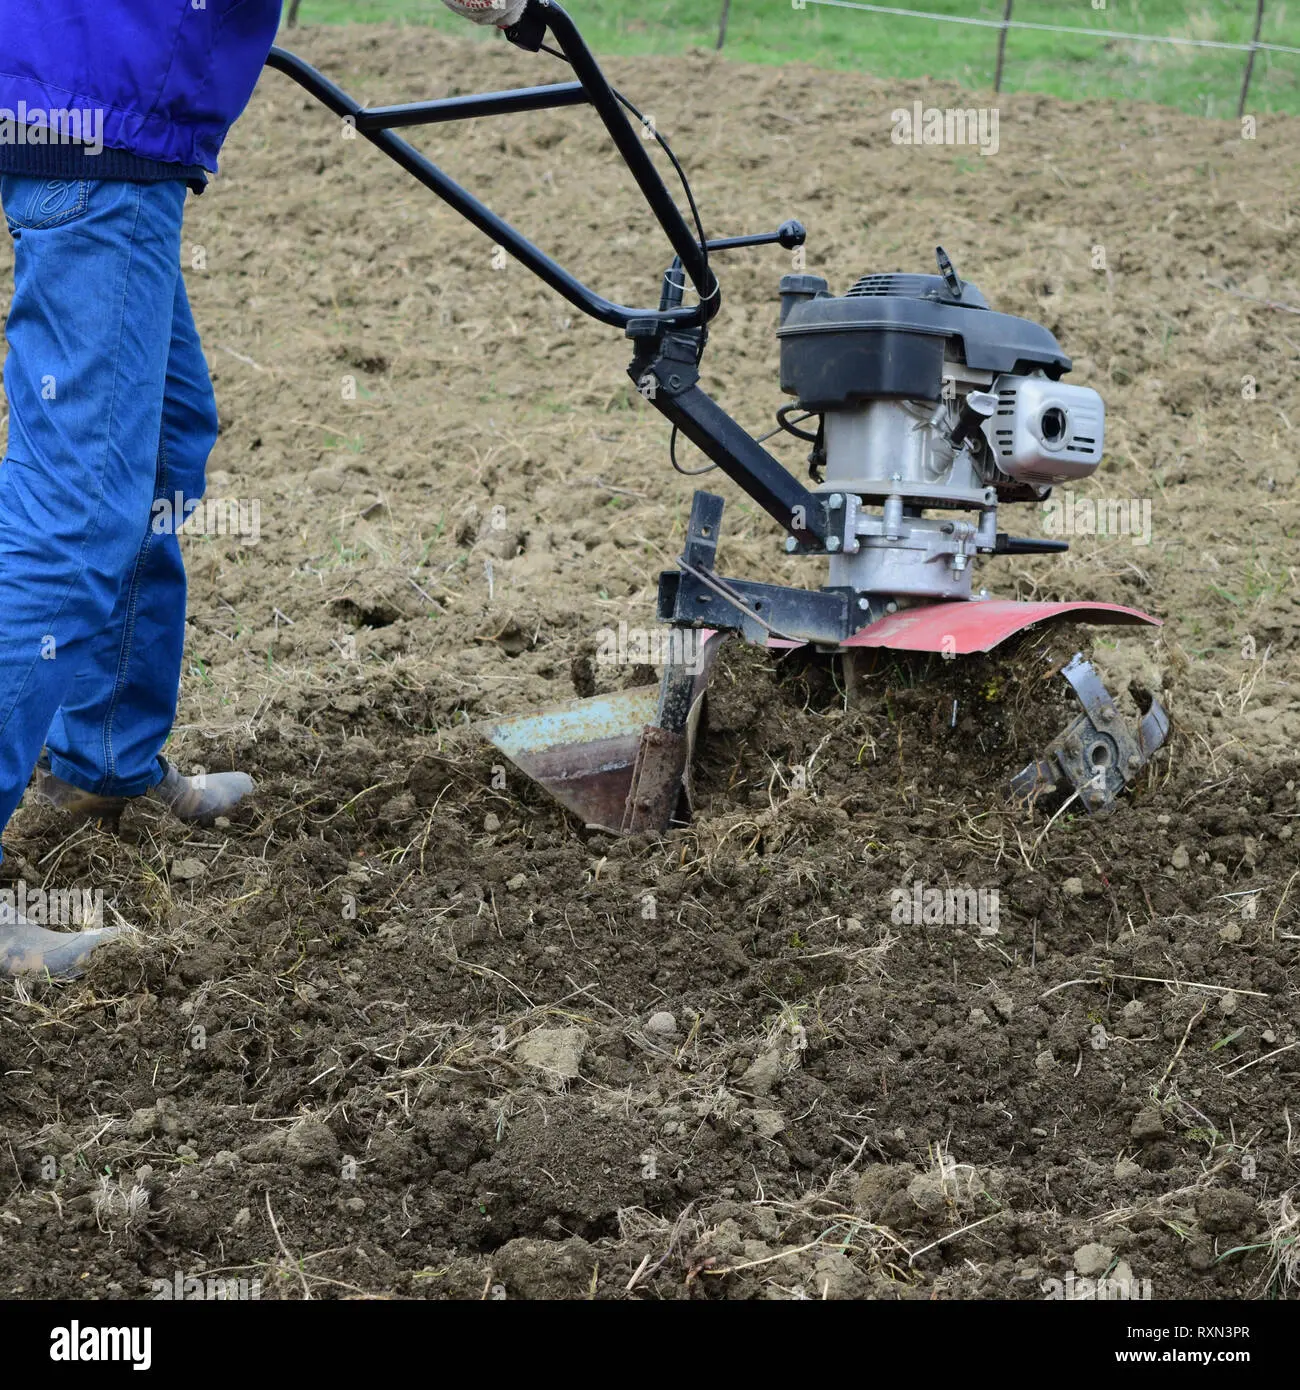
x,y
1250,59
292,21
722,23
1002,45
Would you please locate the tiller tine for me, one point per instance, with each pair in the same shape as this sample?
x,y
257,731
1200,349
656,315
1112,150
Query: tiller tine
x,y
1100,753
620,762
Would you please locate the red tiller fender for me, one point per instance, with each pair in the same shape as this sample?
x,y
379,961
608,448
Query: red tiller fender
x,y
979,625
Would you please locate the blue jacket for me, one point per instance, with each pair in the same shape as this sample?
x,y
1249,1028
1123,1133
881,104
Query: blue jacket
x,y
168,76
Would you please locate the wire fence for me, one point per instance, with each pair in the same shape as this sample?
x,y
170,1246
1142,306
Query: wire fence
x,y
1008,22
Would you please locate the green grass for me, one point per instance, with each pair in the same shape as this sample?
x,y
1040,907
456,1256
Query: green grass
x,y
1204,81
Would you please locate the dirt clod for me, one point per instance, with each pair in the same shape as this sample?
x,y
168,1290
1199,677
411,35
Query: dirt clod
x,y
1225,1211
311,1144
1148,1126
763,1073
555,1051
1092,1261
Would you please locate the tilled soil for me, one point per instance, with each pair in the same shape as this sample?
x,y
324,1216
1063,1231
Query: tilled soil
x,y
404,1027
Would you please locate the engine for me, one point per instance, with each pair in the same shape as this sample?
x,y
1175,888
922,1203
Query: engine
x,y
934,409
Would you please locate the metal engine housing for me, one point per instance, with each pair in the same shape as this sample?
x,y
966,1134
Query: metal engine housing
x,y
933,407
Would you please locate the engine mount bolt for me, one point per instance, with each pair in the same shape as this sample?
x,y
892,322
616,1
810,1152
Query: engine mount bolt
x,y
891,607
835,501
832,542
791,545
864,604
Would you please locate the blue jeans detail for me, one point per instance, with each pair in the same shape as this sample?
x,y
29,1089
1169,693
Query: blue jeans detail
x,y
110,408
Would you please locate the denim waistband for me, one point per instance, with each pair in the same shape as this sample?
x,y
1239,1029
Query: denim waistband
x,y
70,160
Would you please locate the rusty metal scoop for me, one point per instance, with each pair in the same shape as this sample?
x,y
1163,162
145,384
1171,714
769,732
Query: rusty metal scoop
x,y
619,762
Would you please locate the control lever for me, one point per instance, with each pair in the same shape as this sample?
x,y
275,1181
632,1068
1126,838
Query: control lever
x,y
1026,545
788,234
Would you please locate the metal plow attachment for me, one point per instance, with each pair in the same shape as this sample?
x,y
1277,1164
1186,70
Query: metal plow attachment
x,y
620,762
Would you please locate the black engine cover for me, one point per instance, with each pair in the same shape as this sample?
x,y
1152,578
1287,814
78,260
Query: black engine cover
x,y
887,338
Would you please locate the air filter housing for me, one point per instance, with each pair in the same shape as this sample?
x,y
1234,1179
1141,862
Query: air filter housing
x,y
889,336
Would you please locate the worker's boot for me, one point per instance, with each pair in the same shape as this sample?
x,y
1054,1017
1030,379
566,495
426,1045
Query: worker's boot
x,y
204,796
198,798
28,949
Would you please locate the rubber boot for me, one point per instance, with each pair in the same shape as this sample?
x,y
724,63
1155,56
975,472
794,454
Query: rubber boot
x,y
201,798
26,948
187,798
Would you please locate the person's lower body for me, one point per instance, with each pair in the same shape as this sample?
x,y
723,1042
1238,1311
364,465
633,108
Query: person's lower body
x,y
111,418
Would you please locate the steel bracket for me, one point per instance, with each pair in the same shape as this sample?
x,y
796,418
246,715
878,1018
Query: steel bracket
x,y
1100,754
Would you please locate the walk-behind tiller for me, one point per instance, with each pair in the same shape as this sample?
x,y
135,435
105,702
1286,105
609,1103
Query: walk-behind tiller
x,y
924,410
